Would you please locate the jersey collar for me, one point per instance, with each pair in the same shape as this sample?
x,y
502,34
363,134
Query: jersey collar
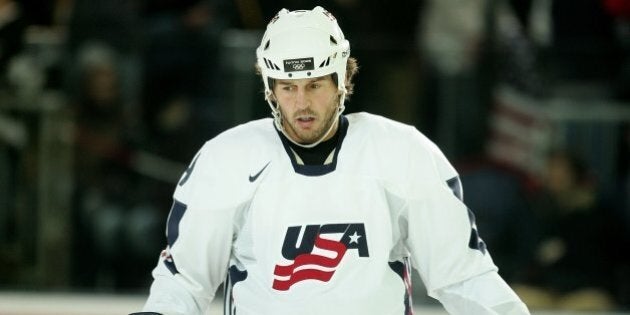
x,y
316,170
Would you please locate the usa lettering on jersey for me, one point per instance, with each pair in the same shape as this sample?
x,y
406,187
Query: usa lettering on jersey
x,y
309,264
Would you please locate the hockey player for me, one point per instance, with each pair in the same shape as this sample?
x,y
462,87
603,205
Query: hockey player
x,y
316,212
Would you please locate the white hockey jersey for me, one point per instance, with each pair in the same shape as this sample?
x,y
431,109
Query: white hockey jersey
x,y
288,238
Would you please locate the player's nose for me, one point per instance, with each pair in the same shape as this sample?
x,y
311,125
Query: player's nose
x,y
301,99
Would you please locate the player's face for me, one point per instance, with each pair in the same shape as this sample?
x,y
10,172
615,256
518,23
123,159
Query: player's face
x,y
308,107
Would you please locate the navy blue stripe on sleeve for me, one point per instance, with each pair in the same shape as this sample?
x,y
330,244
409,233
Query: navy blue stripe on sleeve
x,y
172,226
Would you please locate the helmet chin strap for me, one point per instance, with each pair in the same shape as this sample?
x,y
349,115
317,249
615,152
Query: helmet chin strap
x,y
277,120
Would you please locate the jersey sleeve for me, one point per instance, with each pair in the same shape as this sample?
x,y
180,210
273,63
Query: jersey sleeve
x,y
444,243
484,294
440,232
199,234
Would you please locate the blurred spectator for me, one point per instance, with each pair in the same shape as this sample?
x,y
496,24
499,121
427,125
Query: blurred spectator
x,y
518,62
181,97
12,134
116,220
115,225
577,251
579,47
182,102
116,24
454,43
12,26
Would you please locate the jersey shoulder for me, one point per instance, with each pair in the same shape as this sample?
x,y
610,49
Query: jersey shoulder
x,y
226,161
401,144
235,145
386,131
255,132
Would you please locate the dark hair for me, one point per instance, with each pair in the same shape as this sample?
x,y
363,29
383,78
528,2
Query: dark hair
x,y
352,67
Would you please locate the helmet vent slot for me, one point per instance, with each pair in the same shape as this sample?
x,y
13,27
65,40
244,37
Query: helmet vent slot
x,y
267,44
325,63
333,40
270,64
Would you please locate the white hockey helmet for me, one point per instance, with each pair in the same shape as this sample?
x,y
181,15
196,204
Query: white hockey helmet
x,y
303,44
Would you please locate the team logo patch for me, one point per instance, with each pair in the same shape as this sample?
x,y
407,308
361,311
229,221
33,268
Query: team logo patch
x,y
299,64
316,257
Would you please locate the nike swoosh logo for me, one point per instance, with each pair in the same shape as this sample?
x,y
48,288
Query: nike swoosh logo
x,y
253,178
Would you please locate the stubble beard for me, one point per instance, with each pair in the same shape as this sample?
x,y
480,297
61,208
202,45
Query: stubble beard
x,y
309,136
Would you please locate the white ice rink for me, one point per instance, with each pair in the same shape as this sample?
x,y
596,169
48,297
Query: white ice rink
x,y
19,303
